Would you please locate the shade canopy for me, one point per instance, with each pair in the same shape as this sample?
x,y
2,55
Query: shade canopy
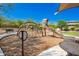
x,y
64,6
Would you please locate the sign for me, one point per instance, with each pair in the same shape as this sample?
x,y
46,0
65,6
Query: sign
x,y
23,35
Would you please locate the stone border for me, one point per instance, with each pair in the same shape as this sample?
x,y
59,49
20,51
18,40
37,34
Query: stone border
x,y
7,34
3,36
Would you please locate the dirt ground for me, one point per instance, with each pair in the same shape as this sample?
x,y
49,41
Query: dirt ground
x,y
11,45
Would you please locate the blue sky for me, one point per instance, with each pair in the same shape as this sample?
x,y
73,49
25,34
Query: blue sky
x,y
38,11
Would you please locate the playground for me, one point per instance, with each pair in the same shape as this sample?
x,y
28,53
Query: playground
x,y
52,36
36,42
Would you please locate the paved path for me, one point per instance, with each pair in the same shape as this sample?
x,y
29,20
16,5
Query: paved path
x,y
71,44
3,35
54,51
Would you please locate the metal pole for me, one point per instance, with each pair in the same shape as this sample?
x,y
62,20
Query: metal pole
x,y
45,31
22,45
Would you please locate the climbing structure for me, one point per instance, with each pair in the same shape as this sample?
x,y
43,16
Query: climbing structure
x,y
32,29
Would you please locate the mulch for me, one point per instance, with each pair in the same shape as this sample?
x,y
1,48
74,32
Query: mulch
x,y
11,45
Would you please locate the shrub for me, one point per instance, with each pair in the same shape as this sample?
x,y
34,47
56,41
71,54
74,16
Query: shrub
x,y
72,28
66,29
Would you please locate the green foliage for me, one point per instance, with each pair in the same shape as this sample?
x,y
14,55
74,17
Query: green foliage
x,y
73,28
16,24
2,20
77,25
62,24
10,23
52,26
66,29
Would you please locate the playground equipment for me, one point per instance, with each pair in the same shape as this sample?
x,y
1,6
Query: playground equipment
x,y
36,30
32,29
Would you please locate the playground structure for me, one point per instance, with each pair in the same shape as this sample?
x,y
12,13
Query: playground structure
x,y
31,28
36,30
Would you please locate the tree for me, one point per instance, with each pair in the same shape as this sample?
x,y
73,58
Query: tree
x,y
20,22
77,25
73,28
52,26
66,28
62,24
15,23
2,21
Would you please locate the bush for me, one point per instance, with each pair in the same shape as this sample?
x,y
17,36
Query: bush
x,y
72,28
77,29
66,29
9,30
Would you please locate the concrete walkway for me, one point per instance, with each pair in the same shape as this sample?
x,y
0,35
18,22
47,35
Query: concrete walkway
x,y
4,35
54,51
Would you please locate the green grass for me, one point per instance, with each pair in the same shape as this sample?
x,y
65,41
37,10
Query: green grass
x,y
72,33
